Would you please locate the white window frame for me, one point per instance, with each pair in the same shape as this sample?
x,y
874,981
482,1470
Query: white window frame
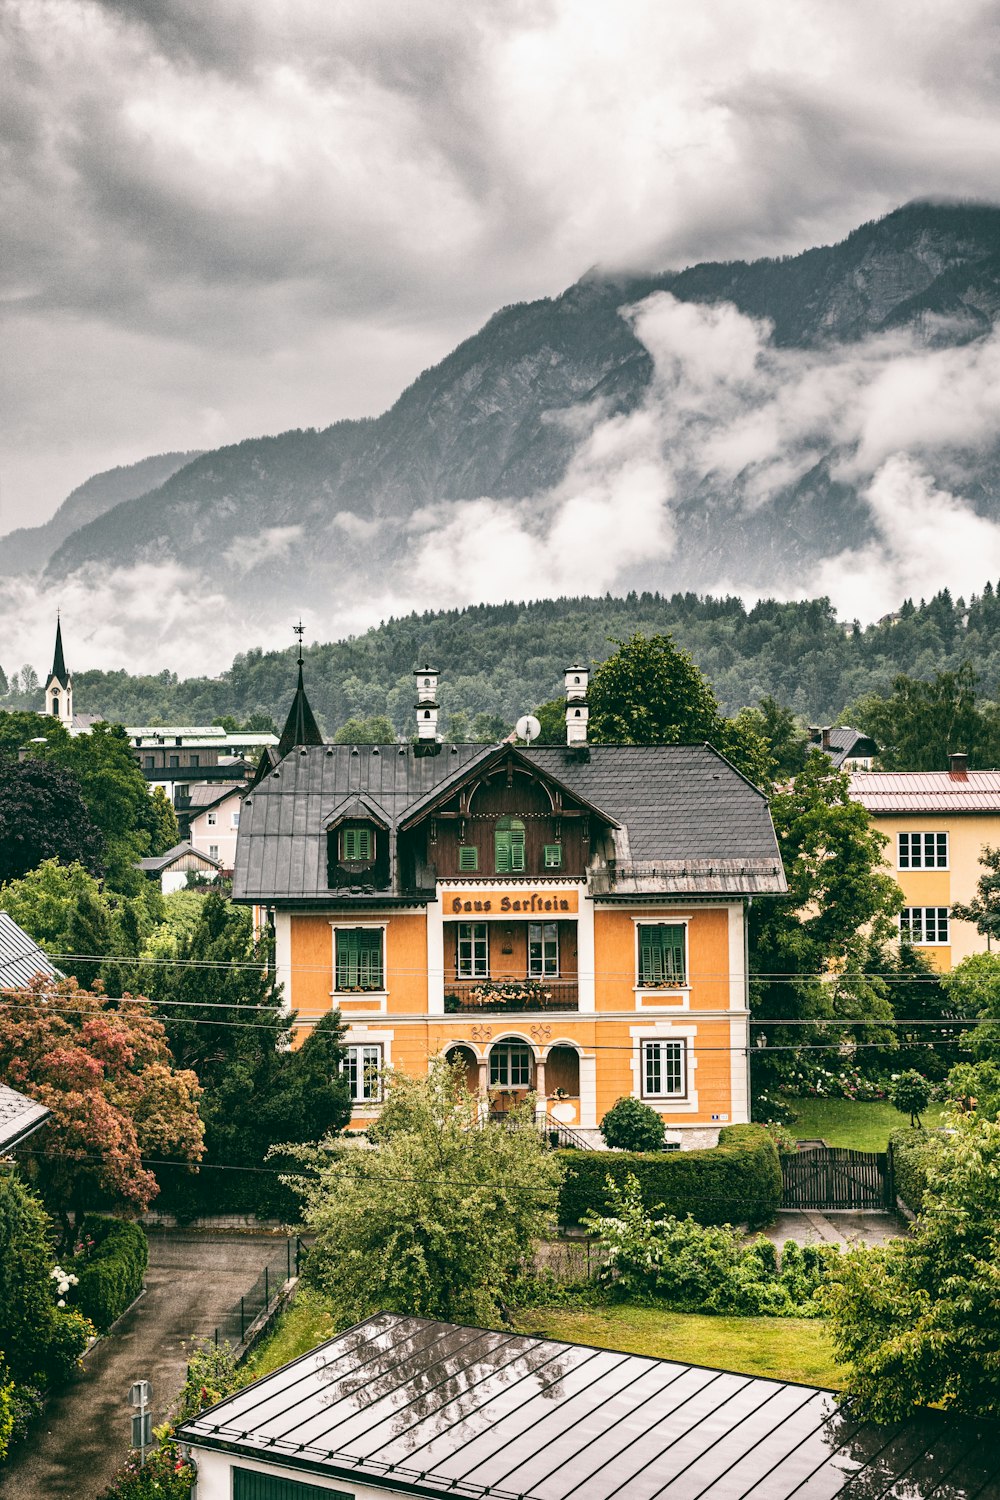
x,y
546,966
358,1068
660,1044
211,819
501,1052
924,840
475,962
234,818
936,924
213,851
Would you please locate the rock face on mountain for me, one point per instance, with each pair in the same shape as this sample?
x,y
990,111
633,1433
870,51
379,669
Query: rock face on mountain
x,y
503,415
29,548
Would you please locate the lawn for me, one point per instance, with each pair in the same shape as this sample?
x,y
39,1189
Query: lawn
x,y
783,1348
303,1325
849,1122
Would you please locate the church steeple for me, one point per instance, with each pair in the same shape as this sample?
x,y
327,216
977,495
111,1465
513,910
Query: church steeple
x,y
300,726
59,688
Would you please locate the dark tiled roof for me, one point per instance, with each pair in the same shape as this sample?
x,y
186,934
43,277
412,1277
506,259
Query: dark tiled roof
x,y
676,801
21,959
671,804
19,1117
433,1409
847,743
155,864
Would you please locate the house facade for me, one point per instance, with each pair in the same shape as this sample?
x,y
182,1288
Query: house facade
x,y
210,819
937,824
565,920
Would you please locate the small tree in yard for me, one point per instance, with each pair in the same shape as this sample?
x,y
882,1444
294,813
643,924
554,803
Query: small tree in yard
x,y
910,1094
918,1320
441,1218
630,1125
105,1071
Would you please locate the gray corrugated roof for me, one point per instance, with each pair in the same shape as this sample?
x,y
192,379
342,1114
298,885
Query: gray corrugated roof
x,y
201,798
19,1117
21,959
430,1408
672,803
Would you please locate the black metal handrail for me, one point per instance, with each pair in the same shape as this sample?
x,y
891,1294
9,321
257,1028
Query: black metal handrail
x,y
482,996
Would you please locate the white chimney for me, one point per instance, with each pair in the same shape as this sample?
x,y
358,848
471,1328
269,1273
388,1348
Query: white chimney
x,y
577,710
427,704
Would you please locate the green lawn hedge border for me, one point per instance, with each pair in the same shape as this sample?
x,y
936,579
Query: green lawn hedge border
x,y
912,1152
111,1276
736,1182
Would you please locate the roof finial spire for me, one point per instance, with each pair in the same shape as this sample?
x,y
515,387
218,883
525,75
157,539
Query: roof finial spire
x,y
300,631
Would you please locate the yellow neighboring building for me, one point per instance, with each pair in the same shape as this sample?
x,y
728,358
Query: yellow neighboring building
x,y
567,920
937,824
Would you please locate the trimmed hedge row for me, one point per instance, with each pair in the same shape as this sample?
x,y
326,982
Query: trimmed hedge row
x,y
112,1275
736,1182
912,1153
194,1195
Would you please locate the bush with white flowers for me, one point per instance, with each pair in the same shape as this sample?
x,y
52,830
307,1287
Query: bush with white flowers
x,y
63,1280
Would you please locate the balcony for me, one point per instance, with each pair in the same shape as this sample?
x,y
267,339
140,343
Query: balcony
x,y
491,996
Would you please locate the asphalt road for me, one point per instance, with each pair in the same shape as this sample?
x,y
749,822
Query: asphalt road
x,y
192,1281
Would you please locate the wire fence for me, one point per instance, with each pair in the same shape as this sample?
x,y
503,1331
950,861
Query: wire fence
x,y
572,1259
281,1265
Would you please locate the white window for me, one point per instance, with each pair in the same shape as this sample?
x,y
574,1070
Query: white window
x,y
234,818
923,925
473,953
363,1066
543,950
510,1066
664,1070
212,820
923,851
213,851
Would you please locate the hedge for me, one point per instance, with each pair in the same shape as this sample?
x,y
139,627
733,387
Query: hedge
x,y
736,1182
912,1152
111,1276
209,1193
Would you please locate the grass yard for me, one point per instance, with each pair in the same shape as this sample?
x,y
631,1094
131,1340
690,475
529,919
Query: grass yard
x,y
849,1122
784,1348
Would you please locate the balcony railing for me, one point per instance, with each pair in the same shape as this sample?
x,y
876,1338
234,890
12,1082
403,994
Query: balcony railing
x,y
482,996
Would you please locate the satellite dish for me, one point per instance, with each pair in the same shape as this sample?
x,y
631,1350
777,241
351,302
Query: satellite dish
x,y
527,727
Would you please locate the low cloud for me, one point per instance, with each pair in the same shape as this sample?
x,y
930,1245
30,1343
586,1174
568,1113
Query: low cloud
x,y
273,544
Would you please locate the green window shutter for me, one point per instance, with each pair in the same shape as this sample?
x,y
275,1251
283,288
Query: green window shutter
x,y
359,958
661,954
468,857
553,856
517,846
509,846
503,851
356,843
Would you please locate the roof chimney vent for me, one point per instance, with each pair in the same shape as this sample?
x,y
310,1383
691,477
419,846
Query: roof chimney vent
x,y
815,734
427,710
958,764
825,733
577,710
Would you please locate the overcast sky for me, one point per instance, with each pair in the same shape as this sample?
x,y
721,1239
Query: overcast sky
x,y
229,217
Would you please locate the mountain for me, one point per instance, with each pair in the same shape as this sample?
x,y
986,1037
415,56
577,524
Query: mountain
x,y
710,449
28,549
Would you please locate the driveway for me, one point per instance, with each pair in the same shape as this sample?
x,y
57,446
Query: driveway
x,y
193,1280
810,1226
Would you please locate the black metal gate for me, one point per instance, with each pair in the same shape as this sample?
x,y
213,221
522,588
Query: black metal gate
x,y
835,1177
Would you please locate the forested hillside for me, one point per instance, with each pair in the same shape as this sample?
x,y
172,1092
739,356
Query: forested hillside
x,y
504,659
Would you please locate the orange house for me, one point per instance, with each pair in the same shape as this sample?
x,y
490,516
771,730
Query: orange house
x,y
568,920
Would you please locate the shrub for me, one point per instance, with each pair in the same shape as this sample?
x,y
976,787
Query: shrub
x,y
211,1376
6,1410
630,1125
70,1334
111,1275
702,1268
737,1181
165,1476
913,1152
26,1405
41,1341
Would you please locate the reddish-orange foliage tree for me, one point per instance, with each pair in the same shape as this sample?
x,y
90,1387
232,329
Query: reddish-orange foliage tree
x,y
105,1070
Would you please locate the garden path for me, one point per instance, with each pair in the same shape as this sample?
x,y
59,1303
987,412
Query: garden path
x,y
192,1281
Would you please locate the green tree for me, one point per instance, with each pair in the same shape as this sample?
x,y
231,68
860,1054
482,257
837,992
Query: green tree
x,y
921,723
376,730
984,908
917,1321
117,798
630,1125
163,830
441,1219
811,951
40,1340
551,715
43,816
910,1093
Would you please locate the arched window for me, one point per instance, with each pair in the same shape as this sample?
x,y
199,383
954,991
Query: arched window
x,y
511,1066
509,846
